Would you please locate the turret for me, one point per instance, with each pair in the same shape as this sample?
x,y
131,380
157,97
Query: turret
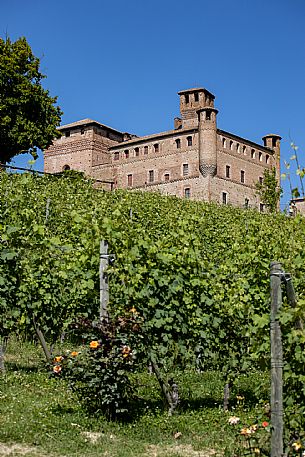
x,y
273,141
191,100
207,141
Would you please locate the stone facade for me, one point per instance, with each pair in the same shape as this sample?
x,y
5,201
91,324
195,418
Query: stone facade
x,y
194,160
297,206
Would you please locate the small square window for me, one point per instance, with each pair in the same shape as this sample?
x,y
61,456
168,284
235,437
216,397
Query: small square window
x,y
166,177
185,169
189,140
246,203
151,176
129,180
156,147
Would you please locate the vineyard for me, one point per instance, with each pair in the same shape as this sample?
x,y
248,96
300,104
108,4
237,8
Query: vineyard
x,y
189,290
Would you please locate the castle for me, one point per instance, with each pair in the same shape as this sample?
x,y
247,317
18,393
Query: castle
x,y
194,160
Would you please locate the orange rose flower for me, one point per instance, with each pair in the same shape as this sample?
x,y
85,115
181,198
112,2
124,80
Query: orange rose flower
x,y
57,369
74,353
94,344
133,310
58,358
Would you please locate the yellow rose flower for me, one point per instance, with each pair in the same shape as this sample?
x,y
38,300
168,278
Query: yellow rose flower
x,y
296,445
245,431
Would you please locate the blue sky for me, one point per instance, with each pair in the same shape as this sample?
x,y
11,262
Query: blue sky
x,y
123,62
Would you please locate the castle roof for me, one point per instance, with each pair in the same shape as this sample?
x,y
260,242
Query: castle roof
x,y
196,89
84,122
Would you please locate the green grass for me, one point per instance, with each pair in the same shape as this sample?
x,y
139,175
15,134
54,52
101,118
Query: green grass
x,y
39,413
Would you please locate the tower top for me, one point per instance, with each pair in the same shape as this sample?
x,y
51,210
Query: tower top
x,y
192,100
196,89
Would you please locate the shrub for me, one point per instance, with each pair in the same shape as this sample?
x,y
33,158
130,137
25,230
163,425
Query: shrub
x,y
98,373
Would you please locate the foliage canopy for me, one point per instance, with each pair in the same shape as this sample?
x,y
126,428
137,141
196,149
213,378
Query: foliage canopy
x,y
196,274
28,114
269,190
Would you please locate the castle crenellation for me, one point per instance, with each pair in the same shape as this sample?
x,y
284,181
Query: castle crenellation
x,y
194,160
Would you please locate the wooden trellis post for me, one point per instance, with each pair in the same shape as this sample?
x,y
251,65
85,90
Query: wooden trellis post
x,y
276,275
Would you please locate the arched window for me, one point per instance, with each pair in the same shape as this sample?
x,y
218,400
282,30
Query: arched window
x,y
66,167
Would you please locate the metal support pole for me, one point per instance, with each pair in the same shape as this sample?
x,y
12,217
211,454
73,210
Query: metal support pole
x,y
276,275
104,287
